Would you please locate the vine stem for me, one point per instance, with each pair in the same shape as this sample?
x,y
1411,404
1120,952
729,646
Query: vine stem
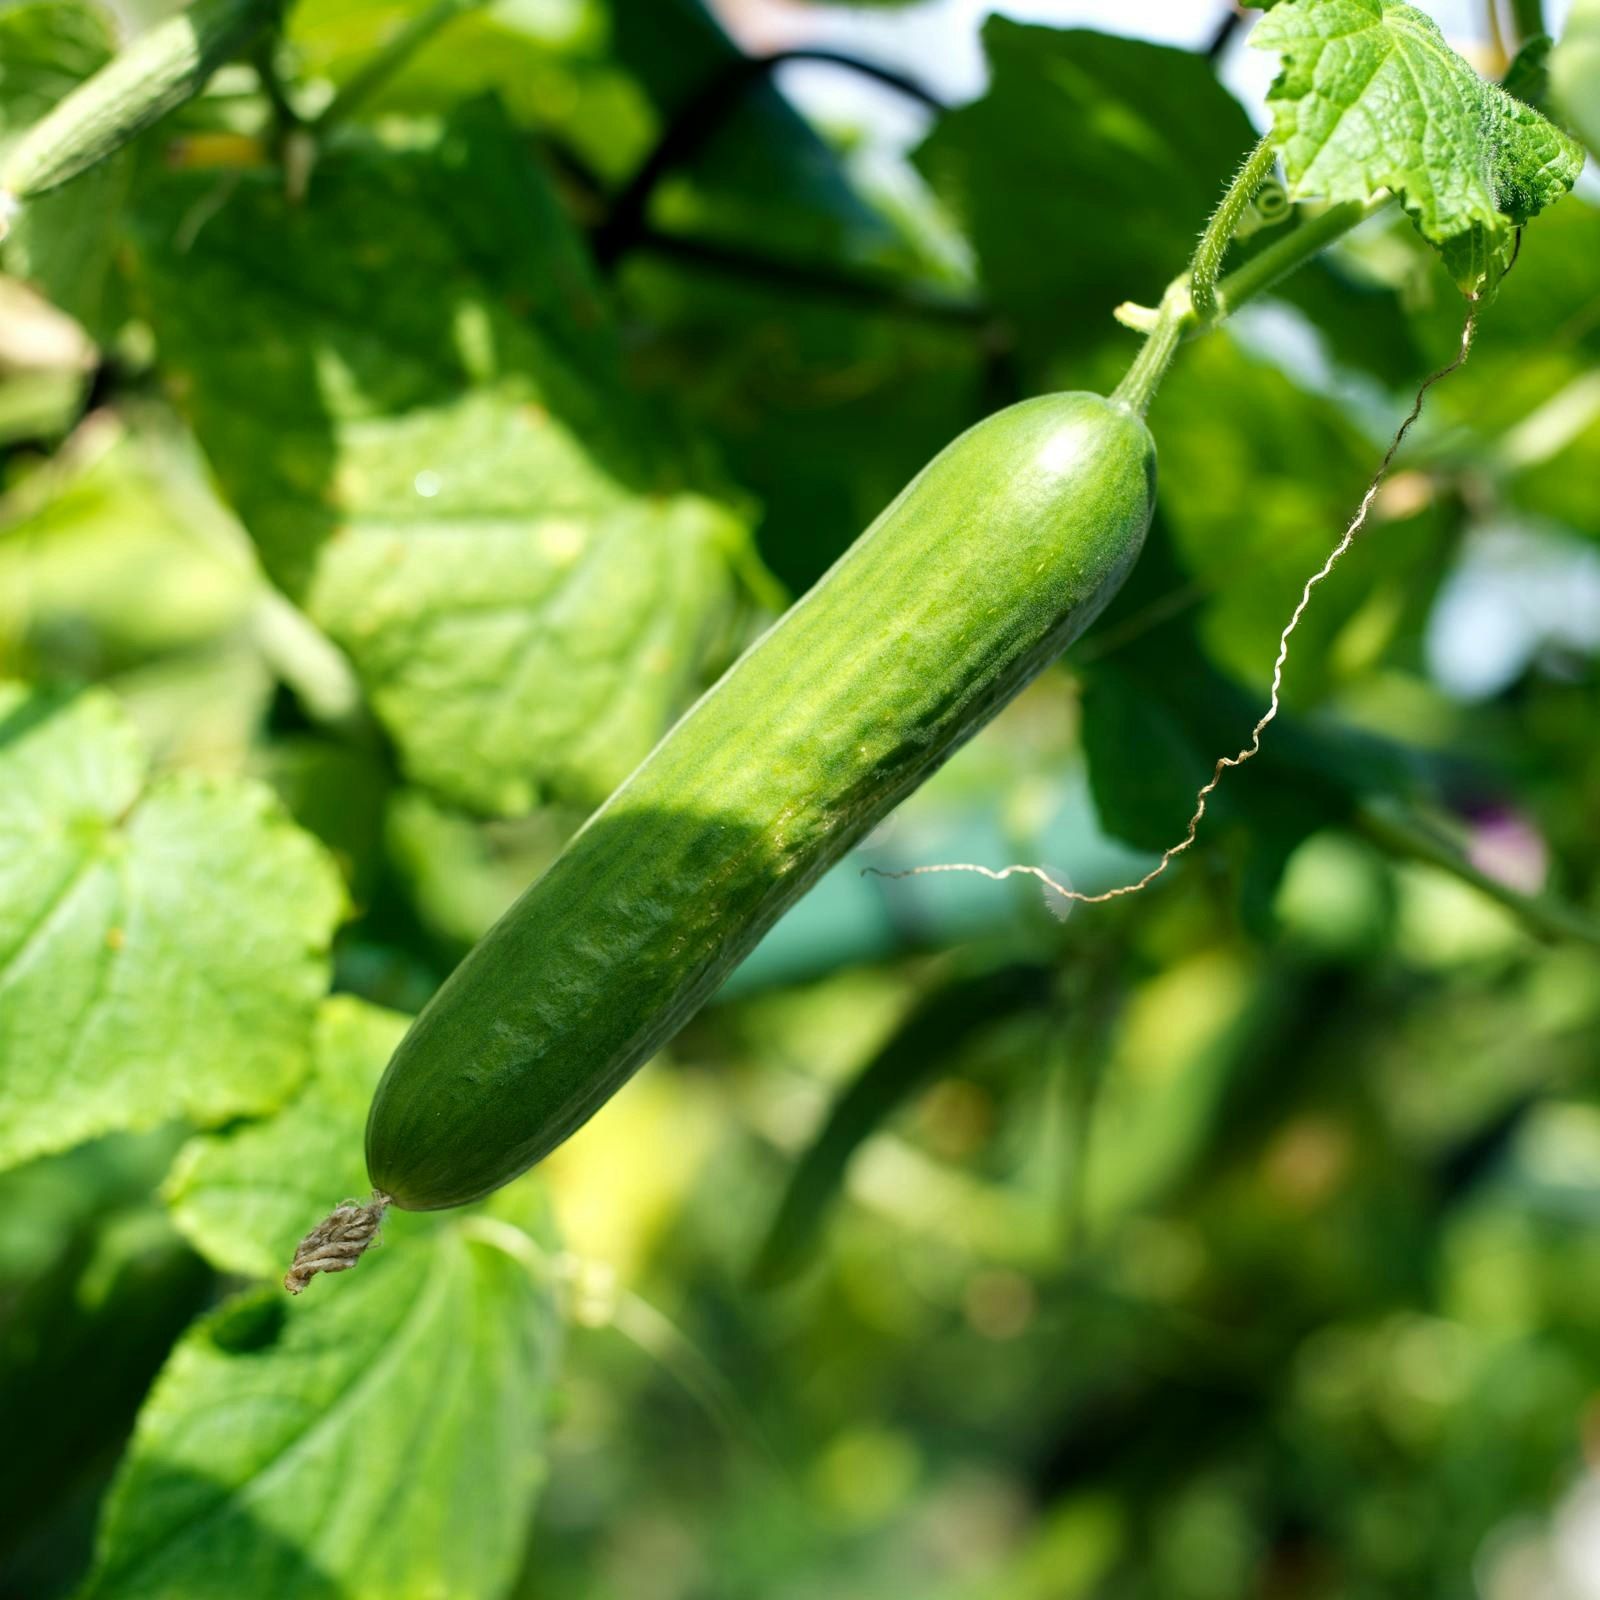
x,y
1271,265
1527,17
1399,835
1166,327
1206,264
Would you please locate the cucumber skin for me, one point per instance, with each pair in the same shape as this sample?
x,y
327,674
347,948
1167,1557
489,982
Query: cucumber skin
x,y
987,565
163,67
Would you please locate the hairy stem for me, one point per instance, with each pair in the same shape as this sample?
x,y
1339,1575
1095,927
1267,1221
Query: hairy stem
x,y
1207,261
1270,266
1178,315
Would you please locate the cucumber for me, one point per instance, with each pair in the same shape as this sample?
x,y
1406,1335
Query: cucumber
x,y
163,67
998,554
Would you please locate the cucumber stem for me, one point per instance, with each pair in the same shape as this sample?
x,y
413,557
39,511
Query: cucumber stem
x,y
1149,367
1178,315
1206,263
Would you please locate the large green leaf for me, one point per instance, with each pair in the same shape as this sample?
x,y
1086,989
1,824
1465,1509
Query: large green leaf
x,y
1371,97
823,407
163,941
1082,176
1083,172
248,1194
382,1439
411,391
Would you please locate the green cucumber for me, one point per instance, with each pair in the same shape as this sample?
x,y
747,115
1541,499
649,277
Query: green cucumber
x,y
163,67
997,555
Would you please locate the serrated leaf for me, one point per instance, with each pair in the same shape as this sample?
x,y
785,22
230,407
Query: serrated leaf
x,y
410,389
163,941
1371,97
246,1195
384,1441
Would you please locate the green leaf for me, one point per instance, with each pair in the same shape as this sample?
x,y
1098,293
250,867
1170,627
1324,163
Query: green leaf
x,y
547,63
382,1441
1371,97
1144,765
412,393
246,1195
1078,125
1081,173
757,364
163,941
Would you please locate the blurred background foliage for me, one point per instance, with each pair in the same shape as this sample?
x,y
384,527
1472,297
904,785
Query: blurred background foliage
x,y
1239,1239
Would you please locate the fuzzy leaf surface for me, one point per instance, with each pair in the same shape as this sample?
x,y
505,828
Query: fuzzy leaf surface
x,y
1371,97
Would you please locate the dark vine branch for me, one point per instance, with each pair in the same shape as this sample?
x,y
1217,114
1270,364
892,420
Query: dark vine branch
x,y
884,294
700,118
1223,37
